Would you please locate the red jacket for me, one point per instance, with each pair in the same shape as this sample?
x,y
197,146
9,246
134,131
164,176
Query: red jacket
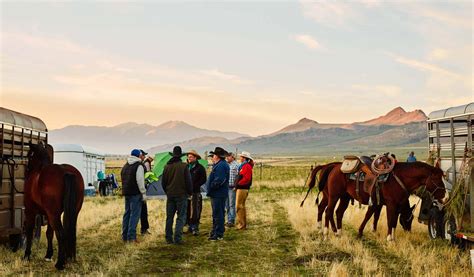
x,y
245,176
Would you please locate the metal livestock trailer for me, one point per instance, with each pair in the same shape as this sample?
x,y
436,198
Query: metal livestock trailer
x,y
17,131
450,142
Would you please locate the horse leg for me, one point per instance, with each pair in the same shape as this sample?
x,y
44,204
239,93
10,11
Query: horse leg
x,y
29,228
59,230
330,216
368,215
377,211
341,208
321,208
49,236
391,217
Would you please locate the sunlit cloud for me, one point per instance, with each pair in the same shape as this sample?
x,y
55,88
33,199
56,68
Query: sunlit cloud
x,y
308,41
215,73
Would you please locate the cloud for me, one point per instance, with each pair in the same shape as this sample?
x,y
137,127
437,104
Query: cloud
x,y
425,67
328,13
438,54
43,42
215,73
385,90
461,18
308,41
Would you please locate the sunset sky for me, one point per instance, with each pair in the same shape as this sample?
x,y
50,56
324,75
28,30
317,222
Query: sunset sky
x,y
243,66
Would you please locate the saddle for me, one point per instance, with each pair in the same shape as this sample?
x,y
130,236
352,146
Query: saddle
x,y
368,171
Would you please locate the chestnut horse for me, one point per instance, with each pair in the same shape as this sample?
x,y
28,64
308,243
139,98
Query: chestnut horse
x,y
51,189
403,180
406,212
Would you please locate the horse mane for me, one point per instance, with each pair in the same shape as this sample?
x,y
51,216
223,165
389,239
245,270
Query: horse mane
x,y
40,154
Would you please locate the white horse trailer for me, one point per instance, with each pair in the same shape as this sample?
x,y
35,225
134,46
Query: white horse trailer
x,y
87,160
451,145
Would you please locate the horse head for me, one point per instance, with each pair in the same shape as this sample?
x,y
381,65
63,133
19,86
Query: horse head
x,y
406,218
436,186
38,157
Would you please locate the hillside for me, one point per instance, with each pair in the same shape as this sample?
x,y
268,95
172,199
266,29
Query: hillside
x,y
121,138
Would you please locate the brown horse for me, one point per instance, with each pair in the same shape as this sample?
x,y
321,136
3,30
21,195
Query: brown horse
x,y
51,189
394,193
406,213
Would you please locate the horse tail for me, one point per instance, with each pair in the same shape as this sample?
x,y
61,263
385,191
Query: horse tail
x,y
325,175
317,198
70,214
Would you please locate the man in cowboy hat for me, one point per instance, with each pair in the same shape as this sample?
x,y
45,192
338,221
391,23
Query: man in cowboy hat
x,y
217,190
198,178
177,184
243,184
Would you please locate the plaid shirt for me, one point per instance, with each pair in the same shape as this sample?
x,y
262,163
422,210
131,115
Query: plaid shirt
x,y
234,171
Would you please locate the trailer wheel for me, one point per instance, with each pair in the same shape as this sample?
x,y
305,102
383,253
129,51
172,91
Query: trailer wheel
x,y
15,242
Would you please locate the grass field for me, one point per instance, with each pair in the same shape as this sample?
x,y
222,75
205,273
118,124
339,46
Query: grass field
x,y
281,240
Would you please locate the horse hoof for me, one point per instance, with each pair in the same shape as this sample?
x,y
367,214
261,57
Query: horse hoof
x,y
48,259
59,266
359,236
338,233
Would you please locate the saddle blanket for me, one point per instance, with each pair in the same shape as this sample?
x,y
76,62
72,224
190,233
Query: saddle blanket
x,y
382,178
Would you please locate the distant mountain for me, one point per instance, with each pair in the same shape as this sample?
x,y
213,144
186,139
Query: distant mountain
x,y
397,116
396,128
121,138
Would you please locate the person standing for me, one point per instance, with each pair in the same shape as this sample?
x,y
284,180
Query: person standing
x,y
177,184
133,188
198,177
411,157
244,182
230,202
218,191
145,225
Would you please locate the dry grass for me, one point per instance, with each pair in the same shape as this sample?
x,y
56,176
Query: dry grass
x,y
281,240
411,254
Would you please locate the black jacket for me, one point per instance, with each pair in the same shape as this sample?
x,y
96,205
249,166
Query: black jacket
x,y
176,180
198,176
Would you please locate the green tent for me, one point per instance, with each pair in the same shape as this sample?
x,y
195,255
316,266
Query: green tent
x,y
161,159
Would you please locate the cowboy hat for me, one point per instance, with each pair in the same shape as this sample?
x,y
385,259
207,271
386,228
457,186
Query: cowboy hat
x,y
195,154
220,152
246,154
177,152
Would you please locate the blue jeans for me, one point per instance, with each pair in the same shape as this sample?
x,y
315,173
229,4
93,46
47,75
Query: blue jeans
x,y
133,208
230,206
218,216
175,205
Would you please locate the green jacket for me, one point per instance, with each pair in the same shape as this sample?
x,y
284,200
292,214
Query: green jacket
x,y
176,180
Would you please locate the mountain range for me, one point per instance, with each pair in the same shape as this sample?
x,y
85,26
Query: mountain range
x,y
396,128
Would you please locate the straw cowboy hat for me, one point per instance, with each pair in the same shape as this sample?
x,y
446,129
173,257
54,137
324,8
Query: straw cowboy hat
x,y
195,154
220,152
246,154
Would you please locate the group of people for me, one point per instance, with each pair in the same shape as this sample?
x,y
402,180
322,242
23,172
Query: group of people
x,y
227,186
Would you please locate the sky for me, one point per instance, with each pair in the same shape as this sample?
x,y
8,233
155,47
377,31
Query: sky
x,y
245,66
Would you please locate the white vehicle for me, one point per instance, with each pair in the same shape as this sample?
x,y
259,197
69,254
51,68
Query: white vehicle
x,y
87,160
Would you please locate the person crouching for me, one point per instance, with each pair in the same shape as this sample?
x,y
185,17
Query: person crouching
x,y
217,190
